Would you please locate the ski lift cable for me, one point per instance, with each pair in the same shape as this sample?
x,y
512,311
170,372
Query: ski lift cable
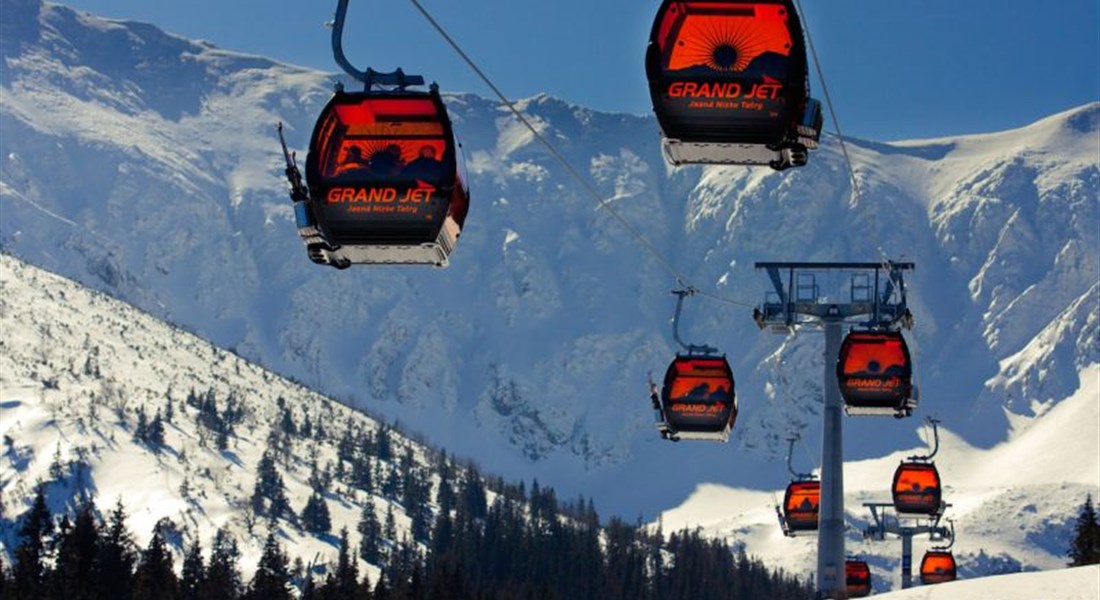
x,y
587,184
856,189
810,455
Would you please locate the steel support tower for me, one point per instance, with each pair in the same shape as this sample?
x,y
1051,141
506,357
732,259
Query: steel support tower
x,y
914,526
876,295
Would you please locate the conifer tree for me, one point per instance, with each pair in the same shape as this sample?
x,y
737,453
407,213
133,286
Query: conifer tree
x,y
193,574
383,449
316,479
345,581
415,498
269,494
155,433
361,468
114,568
442,534
392,484
445,494
169,409
306,430
141,432
381,589
345,448
472,497
390,529
272,578
370,535
301,578
154,578
1085,547
315,515
223,576
286,423
28,575
76,554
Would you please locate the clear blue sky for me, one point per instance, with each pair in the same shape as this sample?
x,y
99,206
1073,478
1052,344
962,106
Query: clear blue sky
x,y
896,69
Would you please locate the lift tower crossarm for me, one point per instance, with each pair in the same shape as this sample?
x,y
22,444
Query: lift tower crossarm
x,y
836,266
883,526
878,306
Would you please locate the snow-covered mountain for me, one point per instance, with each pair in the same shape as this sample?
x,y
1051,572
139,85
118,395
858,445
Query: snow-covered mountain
x,y
83,373
145,165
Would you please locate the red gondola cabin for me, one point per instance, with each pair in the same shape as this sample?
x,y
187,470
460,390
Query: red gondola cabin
x,y
801,505
875,373
857,575
386,179
698,398
937,566
728,80
917,489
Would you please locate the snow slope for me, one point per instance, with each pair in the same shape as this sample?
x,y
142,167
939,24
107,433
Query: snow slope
x,y
1081,583
144,165
76,366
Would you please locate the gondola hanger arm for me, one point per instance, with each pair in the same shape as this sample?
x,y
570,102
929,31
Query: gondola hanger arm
x,y
934,422
690,348
790,467
370,77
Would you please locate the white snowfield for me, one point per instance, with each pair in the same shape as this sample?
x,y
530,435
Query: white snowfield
x,y
1081,583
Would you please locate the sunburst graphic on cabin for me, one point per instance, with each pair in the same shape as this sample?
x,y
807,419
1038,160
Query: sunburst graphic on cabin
x,y
729,42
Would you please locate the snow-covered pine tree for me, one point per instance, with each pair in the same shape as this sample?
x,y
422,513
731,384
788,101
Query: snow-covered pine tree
x,y
1085,547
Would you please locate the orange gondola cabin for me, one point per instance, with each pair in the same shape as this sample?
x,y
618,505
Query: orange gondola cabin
x,y
875,374
937,566
857,576
801,505
387,182
917,489
698,398
728,81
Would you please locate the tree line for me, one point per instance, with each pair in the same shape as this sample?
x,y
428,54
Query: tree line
x,y
505,550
